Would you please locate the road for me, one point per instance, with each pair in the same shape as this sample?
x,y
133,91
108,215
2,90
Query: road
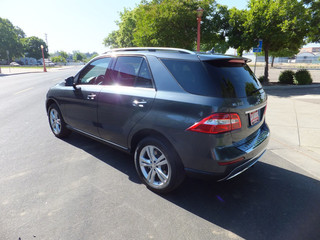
x,y
82,189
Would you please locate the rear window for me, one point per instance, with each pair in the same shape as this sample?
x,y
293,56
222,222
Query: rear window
x,y
219,78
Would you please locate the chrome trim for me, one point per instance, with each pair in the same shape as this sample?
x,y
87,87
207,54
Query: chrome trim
x,y
98,138
250,111
253,143
235,172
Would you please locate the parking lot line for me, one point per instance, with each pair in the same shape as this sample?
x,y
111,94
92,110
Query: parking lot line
x,y
22,91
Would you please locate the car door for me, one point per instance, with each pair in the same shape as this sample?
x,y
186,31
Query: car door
x,y
80,102
124,101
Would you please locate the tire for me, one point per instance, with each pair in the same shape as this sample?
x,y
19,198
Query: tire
x,y
158,165
56,122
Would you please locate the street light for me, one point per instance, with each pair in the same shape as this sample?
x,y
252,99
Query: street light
x,y
199,15
44,63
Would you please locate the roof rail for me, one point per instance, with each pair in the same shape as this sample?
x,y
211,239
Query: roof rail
x,y
151,49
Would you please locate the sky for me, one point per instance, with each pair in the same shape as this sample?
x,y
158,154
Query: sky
x,y
73,25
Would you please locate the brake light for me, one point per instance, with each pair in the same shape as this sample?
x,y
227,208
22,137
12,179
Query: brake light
x,y
237,61
217,123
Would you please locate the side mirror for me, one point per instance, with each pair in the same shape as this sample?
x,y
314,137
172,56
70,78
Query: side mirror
x,y
70,82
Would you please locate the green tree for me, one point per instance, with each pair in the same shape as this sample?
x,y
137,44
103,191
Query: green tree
x,y
124,36
239,36
32,47
164,23
79,57
215,28
58,59
172,23
313,7
63,54
10,40
20,33
279,23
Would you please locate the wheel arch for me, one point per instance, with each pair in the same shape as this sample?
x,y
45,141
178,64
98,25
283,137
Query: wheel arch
x,y
138,136
49,102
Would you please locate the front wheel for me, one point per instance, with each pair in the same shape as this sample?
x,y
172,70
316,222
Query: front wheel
x,y
56,122
158,165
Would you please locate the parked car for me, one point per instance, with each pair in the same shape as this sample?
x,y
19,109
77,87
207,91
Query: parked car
x,y
14,64
176,111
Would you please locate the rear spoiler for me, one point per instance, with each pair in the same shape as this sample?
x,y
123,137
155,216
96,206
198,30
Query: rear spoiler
x,y
228,58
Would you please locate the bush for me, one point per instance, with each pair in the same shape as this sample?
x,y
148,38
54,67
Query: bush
x,y
286,77
303,77
261,79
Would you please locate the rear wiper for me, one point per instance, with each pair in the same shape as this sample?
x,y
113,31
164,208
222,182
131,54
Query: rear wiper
x,y
254,91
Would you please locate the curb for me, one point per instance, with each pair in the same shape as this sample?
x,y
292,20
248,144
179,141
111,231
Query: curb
x,y
279,87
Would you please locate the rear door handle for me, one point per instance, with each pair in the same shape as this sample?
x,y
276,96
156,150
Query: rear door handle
x,y
138,103
91,96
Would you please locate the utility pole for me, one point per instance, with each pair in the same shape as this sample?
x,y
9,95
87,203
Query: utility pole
x,y
46,38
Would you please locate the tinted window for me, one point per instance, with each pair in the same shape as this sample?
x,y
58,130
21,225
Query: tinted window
x,y
214,78
126,70
144,78
95,72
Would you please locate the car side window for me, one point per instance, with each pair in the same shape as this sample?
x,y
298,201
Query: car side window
x,y
144,79
95,72
126,70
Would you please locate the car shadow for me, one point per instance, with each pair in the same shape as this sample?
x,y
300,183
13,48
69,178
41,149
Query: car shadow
x,y
119,160
265,202
278,92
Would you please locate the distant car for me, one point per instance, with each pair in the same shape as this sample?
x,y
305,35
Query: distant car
x,y
50,64
175,110
14,64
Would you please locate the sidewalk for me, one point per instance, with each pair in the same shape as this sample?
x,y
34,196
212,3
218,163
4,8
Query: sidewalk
x,y
295,129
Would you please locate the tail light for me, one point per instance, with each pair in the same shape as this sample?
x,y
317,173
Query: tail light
x,y
217,123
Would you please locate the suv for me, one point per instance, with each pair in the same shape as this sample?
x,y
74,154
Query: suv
x,y
175,110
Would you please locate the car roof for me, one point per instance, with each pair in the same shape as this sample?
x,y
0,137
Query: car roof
x,y
171,53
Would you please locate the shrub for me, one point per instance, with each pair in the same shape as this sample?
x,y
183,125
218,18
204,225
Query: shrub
x,y
286,77
303,77
261,79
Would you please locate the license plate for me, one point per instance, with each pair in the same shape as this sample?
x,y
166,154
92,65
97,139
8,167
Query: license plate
x,y
254,117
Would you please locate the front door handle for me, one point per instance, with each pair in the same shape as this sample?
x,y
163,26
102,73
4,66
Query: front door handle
x,y
91,96
138,103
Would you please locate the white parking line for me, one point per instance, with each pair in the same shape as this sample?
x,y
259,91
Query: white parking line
x,y
22,91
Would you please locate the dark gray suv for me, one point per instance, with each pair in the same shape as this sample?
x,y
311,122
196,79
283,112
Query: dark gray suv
x,y
175,110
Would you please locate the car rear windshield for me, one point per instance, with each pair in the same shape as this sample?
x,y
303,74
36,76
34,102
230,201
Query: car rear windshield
x,y
229,78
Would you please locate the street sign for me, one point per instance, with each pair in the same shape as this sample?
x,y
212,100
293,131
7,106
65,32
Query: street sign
x,y
257,50
260,43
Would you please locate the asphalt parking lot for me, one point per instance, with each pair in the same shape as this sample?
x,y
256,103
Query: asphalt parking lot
x,y
81,189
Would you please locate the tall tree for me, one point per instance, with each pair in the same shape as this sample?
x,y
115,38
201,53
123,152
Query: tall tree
x,y
239,36
313,7
279,23
32,47
124,36
10,40
164,23
171,23
78,56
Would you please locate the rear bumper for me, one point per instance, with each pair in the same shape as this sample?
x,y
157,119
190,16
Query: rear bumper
x,y
243,167
229,161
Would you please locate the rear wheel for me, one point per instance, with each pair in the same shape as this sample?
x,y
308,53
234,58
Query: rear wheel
x,y
158,165
56,122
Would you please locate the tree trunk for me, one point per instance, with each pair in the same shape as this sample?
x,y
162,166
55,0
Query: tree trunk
x,y
266,68
272,61
239,51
